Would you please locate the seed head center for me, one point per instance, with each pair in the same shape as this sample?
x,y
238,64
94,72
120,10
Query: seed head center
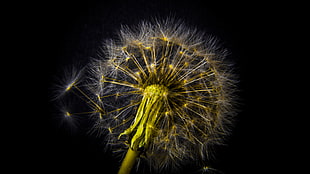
x,y
156,90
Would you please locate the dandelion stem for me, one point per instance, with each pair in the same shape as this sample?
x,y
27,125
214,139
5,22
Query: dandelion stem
x,y
150,109
128,161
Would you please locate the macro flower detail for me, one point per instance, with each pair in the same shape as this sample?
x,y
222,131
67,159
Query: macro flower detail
x,y
163,92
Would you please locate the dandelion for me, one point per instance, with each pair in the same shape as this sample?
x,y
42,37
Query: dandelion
x,y
163,93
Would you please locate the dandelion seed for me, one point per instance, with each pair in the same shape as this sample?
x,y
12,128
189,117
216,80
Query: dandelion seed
x,y
164,38
69,86
98,97
153,65
72,77
67,120
168,94
68,114
210,170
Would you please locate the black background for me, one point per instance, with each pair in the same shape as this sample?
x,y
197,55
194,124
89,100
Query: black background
x,y
72,32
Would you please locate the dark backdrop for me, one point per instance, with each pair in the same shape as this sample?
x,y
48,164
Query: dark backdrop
x,y
73,31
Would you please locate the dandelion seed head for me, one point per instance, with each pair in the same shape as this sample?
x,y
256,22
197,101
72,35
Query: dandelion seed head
x,y
162,87
196,85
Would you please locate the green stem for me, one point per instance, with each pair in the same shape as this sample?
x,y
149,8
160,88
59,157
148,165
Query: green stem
x,y
128,161
149,111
